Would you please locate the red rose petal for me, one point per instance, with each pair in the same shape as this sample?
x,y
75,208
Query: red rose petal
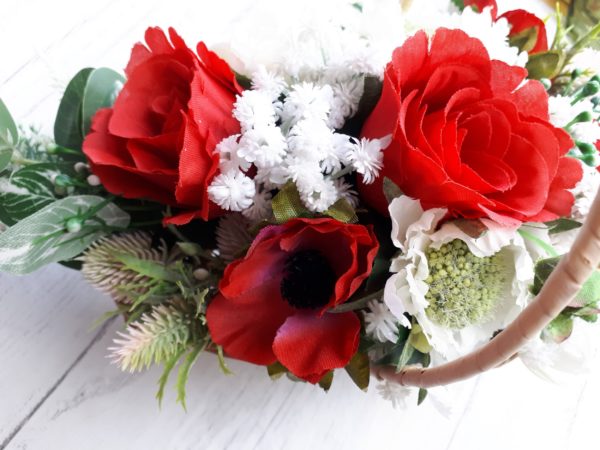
x,y
309,346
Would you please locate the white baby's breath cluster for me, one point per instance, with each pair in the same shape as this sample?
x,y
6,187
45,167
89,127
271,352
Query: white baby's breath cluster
x,y
288,133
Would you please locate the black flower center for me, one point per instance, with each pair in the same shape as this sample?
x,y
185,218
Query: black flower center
x,y
308,281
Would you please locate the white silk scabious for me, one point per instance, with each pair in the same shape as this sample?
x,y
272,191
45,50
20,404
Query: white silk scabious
x,y
413,232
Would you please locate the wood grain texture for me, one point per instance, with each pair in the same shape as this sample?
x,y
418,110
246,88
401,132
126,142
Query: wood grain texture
x,y
59,392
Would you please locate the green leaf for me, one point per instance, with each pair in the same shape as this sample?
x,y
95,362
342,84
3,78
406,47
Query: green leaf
x,y
525,40
9,136
164,378
418,339
407,353
147,268
342,211
222,362
561,225
28,190
583,15
287,204
101,90
545,64
184,372
42,238
8,126
359,370
589,295
69,119
547,247
326,381
422,396
391,190
276,370
543,269
559,329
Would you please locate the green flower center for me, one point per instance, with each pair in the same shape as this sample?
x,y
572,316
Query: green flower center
x,y
463,288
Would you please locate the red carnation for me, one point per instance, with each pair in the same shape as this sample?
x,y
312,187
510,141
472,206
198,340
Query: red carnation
x,y
469,134
158,140
273,303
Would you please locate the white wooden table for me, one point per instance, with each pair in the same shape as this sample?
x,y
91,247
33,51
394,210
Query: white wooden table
x,y
57,389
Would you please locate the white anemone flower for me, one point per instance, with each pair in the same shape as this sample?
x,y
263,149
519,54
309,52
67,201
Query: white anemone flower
x,y
460,289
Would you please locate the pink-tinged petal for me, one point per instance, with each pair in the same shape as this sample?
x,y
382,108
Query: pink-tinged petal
x,y
309,346
246,326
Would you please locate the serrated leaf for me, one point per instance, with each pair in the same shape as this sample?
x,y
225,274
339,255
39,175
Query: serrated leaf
x,y
164,378
545,64
184,372
68,123
101,90
326,382
42,239
359,370
276,370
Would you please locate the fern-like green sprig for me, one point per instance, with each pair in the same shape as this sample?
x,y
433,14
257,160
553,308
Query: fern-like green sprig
x,y
154,339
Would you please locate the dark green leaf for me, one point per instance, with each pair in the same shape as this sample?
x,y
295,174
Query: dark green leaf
x,y
101,90
422,396
543,269
326,381
545,64
68,124
359,370
276,370
560,225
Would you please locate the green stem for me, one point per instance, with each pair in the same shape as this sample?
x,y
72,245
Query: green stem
x,y
358,304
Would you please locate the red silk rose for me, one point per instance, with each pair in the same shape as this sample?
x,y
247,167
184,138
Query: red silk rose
x,y
157,141
520,21
272,304
469,134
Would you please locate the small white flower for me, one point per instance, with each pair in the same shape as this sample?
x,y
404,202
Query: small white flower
x,y
380,322
229,158
431,285
586,132
346,191
319,196
307,101
311,140
562,112
346,97
268,82
254,108
305,174
264,146
366,156
397,394
232,191
261,208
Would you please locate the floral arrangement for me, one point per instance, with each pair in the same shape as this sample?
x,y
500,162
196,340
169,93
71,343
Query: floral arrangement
x,y
372,184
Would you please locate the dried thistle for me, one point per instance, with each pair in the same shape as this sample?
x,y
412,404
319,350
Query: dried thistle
x,y
233,236
104,268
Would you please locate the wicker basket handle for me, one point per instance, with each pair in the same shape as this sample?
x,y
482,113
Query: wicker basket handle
x,y
558,291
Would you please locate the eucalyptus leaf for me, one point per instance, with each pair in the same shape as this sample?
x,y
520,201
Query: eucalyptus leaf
x,y
42,238
359,370
561,225
69,119
101,90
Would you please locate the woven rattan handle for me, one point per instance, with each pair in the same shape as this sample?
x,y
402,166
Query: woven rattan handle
x,y
558,291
